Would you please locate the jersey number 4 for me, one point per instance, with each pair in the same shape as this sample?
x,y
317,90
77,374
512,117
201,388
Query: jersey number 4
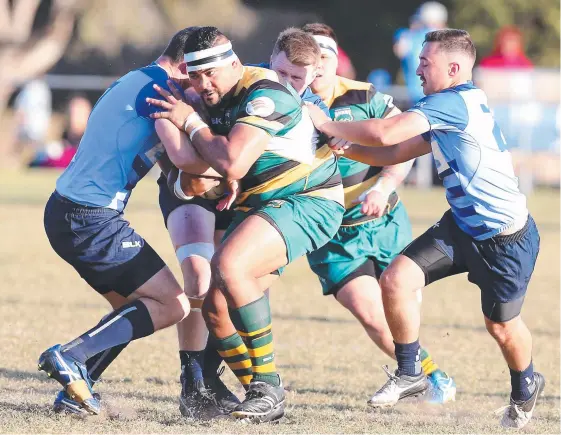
x,y
497,133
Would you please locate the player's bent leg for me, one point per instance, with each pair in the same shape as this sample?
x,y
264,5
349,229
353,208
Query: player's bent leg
x,y
502,267
158,303
362,297
399,284
387,238
95,366
286,229
164,299
239,261
515,342
422,262
237,267
224,337
191,229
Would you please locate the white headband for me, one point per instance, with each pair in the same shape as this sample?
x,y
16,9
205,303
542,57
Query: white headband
x,y
210,57
327,45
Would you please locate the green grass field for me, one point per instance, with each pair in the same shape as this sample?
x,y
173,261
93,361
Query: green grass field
x,y
329,366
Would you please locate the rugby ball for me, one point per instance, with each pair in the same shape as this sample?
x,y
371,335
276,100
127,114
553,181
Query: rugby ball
x,y
214,193
217,191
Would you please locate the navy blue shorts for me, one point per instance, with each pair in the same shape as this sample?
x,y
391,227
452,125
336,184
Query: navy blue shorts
x,y
500,266
100,244
169,202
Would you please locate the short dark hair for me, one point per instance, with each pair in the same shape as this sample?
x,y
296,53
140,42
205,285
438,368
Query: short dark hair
x,y
299,47
320,29
176,47
203,38
452,40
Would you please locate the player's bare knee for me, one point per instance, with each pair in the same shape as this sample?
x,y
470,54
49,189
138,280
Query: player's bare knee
x,y
174,303
197,286
210,314
390,282
195,264
223,270
501,331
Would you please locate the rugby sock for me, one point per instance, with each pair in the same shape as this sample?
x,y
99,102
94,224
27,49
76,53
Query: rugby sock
x,y
427,364
408,357
522,383
130,322
192,365
235,354
253,323
97,364
211,358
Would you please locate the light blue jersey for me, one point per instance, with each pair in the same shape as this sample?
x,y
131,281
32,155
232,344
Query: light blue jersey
x,y
472,161
120,144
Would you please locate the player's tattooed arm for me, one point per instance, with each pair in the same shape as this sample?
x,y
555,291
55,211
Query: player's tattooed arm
x,y
372,132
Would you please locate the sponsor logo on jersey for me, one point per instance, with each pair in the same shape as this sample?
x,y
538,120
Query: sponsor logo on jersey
x,y
343,114
261,106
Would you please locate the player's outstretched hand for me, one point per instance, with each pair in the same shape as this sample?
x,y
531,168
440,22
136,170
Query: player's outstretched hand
x,y
318,116
226,202
175,109
176,92
374,203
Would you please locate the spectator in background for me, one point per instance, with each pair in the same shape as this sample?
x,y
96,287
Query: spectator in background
x,y
380,78
408,43
508,51
32,109
60,154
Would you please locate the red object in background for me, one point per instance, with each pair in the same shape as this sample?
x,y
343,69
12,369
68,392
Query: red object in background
x,y
345,67
63,160
508,51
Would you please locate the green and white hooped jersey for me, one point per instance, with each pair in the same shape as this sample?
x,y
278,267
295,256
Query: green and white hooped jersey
x,y
292,162
355,101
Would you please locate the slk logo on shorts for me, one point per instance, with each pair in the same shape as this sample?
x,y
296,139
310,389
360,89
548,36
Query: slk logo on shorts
x,y
132,244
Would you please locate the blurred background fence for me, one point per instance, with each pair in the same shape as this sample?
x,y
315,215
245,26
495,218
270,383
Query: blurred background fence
x,y
58,56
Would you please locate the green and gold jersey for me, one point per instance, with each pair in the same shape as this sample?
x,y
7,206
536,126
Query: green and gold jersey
x,y
356,101
291,163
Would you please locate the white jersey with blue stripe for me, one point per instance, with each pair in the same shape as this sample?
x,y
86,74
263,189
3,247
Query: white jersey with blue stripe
x,y
472,160
120,144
